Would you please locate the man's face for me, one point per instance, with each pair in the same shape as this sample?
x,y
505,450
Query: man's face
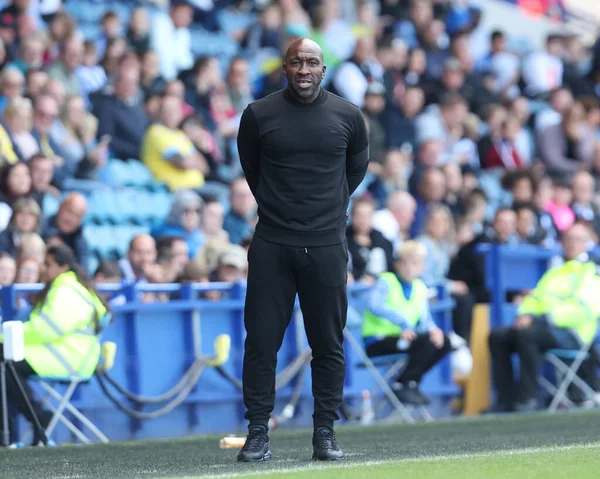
x,y
70,215
575,242
505,225
304,71
44,115
142,254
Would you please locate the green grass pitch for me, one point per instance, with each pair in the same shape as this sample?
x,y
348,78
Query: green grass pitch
x,y
519,446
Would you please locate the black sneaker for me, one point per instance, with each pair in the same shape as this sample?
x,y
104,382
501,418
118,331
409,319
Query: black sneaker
x,y
408,393
256,448
325,447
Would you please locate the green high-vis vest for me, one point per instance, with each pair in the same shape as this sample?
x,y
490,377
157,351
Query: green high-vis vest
x,y
60,336
411,308
569,295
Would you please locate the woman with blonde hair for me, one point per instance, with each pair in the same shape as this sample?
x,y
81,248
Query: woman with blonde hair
x,y
440,244
18,116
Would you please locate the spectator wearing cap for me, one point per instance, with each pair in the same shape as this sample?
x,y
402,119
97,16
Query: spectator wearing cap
x,y
399,118
66,224
232,266
238,222
121,116
184,221
352,78
171,39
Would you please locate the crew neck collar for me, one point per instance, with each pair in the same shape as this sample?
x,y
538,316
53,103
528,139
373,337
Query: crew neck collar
x,y
319,100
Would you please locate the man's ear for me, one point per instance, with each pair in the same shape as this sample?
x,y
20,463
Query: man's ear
x,y
324,70
284,69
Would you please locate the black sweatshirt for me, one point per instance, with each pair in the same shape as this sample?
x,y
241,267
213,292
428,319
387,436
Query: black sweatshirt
x,y
302,162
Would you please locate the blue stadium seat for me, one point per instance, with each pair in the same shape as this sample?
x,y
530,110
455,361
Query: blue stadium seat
x,y
137,174
113,173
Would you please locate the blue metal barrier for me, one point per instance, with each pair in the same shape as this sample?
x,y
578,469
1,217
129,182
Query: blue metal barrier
x,y
155,346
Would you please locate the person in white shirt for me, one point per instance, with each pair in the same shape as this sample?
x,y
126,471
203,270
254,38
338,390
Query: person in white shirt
x,y
543,70
395,220
171,39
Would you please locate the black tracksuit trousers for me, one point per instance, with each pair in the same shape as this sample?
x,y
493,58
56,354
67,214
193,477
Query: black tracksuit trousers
x,y
318,275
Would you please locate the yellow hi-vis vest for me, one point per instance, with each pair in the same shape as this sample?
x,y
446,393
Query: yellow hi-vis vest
x,y
569,296
60,336
411,308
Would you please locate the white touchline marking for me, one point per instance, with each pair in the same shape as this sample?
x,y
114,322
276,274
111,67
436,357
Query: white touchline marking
x,y
442,457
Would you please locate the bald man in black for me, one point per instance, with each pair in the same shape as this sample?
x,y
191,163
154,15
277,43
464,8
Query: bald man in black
x,y
304,151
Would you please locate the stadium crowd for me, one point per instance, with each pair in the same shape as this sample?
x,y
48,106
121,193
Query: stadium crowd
x,y
472,137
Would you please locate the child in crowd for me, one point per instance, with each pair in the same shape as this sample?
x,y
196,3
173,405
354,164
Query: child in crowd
x,y
398,319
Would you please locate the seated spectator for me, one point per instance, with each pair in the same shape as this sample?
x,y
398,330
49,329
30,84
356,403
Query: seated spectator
x,y
172,256
542,196
468,265
121,116
12,84
520,183
8,270
213,216
394,221
239,221
568,146
35,82
393,177
232,267
76,131
561,312
184,221
169,153
194,272
502,153
266,32
207,146
141,255
432,190
53,344
138,31
583,204
32,245
150,80
398,319
559,206
454,187
475,206
543,70
528,230
90,75
25,219
177,89
108,272
28,272
66,224
370,253
15,183
64,69
17,141
439,240
373,106
41,169
170,38
45,112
